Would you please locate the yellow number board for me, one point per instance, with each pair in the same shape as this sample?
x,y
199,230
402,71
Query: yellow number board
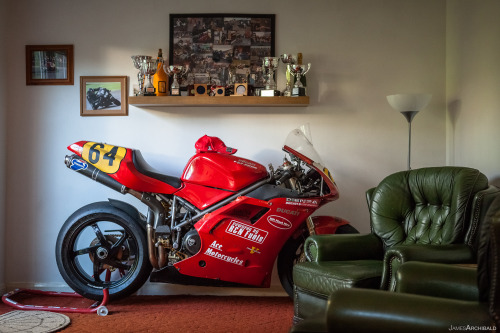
x,y
105,157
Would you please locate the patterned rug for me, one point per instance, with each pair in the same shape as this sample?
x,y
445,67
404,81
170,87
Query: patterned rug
x,y
32,321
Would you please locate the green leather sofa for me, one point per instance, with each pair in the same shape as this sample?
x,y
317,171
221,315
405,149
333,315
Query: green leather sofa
x,y
428,214
429,297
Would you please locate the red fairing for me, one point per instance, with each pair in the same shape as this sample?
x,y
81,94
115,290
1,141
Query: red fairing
x,y
221,171
326,225
77,147
237,250
202,196
131,178
127,174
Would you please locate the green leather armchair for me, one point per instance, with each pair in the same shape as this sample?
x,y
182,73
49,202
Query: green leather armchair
x,y
428,214
429,297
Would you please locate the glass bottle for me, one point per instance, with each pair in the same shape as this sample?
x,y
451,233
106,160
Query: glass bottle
x,y
160,79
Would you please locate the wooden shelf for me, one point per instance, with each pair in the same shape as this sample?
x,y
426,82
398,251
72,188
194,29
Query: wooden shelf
x,y
155,101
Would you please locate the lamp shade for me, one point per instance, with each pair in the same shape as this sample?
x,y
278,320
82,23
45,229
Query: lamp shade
x,y
409,102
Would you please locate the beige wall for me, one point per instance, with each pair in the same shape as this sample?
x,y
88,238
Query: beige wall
x,y
360,50
473,85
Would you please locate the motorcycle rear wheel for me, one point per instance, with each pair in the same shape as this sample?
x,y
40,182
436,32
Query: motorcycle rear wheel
x,y
293,253
99,247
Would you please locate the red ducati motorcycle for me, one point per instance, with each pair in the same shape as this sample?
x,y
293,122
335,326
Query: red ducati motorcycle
x,y
222,223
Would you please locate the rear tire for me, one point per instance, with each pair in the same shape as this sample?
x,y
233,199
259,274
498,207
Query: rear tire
x,y
101,246
293,253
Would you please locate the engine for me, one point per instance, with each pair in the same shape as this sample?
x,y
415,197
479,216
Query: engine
x,y
175,239
191,242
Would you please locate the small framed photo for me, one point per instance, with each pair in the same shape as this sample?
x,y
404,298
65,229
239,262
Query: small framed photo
x,y
49,65
103,96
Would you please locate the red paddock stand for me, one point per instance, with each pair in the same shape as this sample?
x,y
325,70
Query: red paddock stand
x,y
100,309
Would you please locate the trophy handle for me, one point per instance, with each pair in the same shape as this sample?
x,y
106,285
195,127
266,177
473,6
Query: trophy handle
x,y
308,68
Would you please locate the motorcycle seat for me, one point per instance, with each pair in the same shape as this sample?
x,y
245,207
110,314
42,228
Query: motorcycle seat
x,y
143,167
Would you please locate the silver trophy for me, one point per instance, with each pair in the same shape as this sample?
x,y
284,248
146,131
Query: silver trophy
x,y
175,70
138,59
298,71
148,68
288,59
269,65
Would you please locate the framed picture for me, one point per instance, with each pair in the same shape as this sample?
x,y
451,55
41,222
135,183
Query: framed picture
x,y
103,96
220,48
49,65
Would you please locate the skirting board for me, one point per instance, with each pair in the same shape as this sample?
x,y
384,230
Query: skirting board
x,y
164,289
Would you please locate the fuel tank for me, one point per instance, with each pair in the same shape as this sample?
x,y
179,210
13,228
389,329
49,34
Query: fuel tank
x,y
227,172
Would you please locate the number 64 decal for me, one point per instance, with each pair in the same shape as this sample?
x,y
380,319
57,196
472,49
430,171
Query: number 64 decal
x,y
105,157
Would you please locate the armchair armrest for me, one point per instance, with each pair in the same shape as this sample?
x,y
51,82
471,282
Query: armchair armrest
x,y
446,254
439,280
480,206
343,247
369,195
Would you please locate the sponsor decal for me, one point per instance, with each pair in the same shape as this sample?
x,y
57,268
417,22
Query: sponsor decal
x,y
253,250
213,251
216,245
247,232
288,211
302,202
78,165
246,163
279,222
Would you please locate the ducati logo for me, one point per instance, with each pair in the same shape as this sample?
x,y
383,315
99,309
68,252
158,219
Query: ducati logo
x,y
288,211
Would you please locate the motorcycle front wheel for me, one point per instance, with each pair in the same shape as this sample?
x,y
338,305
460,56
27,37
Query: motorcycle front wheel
x,y
293,253
99,247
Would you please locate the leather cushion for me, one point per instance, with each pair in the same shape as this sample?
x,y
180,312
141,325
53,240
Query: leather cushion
x,y
425,206
325,277
354,310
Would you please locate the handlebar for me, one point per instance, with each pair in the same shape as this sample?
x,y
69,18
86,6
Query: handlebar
x,y
286,176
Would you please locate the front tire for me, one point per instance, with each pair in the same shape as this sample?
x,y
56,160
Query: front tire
x,y
101,246
293,253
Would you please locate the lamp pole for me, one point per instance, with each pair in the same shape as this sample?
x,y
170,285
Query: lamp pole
x,y
409,115
403,102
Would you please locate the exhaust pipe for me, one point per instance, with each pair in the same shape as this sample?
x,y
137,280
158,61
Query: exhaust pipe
x,y
75,163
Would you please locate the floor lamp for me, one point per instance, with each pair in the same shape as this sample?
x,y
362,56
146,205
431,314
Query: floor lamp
x,y
409,105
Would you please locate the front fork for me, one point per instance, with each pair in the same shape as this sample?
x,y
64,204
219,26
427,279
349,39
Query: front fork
x,y
310,226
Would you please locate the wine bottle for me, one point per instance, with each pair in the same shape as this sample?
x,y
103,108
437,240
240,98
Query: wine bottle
x,y
160,79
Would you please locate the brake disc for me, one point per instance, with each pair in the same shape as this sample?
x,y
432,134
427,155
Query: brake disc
x,y
103,253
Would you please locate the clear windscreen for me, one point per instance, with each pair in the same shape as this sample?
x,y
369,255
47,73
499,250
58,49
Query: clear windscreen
x,y
300,140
